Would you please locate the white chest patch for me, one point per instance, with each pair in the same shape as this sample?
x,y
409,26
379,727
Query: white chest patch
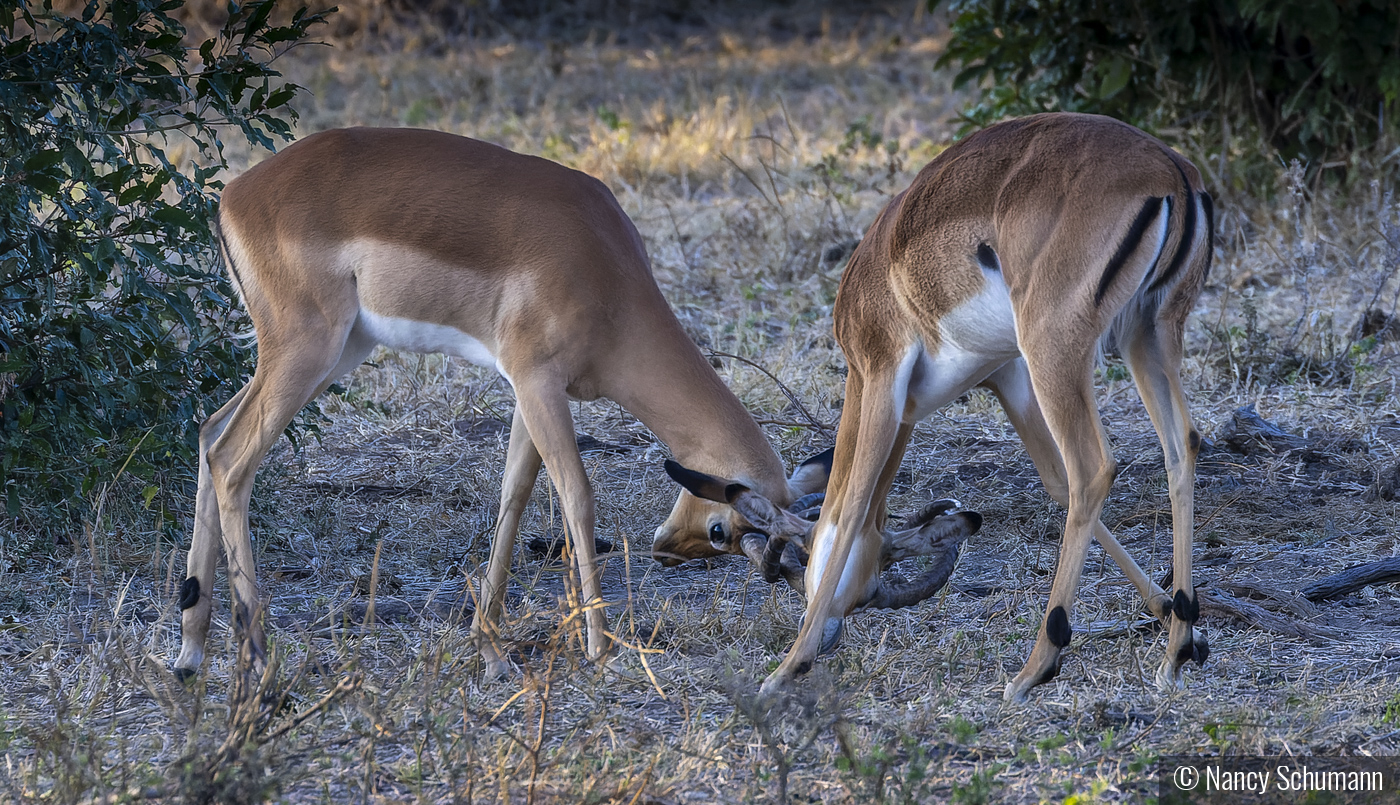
x,y
418,336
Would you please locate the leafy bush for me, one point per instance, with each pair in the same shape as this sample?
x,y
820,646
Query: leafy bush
x,y
1309,79
112,308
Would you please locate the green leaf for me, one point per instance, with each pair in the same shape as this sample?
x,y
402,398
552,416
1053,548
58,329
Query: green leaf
x,y
43,160
281,96
1115,77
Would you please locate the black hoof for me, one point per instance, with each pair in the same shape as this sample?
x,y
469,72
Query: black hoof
x,y
184,675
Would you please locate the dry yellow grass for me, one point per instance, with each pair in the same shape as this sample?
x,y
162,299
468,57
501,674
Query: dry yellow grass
x,y
751,156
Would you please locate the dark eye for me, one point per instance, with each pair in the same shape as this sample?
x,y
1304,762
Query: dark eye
x,y
717,537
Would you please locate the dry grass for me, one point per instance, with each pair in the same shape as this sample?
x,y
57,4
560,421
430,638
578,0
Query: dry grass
x,y
750,156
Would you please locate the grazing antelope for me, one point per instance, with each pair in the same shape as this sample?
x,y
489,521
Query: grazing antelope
x,y
1004,264
430,242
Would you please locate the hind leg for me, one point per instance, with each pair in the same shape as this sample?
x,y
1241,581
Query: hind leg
x,y
1012,386
196,599
1072,417
232,444
1155,361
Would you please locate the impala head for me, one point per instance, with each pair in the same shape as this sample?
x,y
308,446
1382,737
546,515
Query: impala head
x,y
704,522
776,540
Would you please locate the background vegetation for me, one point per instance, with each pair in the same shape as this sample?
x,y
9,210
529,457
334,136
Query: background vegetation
x,y
114,313
1249,82
752,146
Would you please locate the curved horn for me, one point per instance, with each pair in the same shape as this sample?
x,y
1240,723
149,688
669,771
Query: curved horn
x,y
778,545
928,533
791,566
771,564
938,530
896,595
807,503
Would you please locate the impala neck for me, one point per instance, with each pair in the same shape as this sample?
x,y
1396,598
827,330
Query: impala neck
x,y
675,392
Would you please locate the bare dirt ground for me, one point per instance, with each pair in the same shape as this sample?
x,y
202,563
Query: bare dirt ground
x,y
751,151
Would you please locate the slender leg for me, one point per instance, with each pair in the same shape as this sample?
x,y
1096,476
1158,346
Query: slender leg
x,y
196,593
882,492
541,402
847,541
1155,363
522,467
233,443
1073,420
1012,386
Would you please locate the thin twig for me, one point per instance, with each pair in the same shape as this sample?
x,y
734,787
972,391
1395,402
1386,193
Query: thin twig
x,y
784,423
787,392
344,686
774,203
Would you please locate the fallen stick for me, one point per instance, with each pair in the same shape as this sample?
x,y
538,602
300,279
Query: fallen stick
x,y
1353,579
1222,603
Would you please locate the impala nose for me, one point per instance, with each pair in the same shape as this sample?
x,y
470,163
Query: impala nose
x,y
661,549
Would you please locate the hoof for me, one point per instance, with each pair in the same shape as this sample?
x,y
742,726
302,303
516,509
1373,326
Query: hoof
x,y
184,675
1160,607
1170,674
618,663
1020,687
1169,677
1015,692
773,687
1200,650
496,671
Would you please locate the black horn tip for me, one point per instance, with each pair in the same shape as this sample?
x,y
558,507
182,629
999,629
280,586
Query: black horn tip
x,y
974,521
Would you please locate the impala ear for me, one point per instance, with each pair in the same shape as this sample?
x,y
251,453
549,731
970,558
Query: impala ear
x,y
812,474
704,485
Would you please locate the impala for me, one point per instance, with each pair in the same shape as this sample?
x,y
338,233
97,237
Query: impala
x,y
1005,264
431,242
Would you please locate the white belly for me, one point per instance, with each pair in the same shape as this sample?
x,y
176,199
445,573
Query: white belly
x,y
418,336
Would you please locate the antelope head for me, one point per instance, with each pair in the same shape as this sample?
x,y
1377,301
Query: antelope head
x,y
775,538
700,527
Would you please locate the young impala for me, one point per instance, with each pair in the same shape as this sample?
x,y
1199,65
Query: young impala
x,y
430,242
1005,264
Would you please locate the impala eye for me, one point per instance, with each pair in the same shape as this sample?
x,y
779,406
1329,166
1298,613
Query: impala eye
x,y
717,537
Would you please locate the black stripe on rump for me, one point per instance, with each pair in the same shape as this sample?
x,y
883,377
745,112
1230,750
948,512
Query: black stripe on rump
x,y
1188,235
1131,241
